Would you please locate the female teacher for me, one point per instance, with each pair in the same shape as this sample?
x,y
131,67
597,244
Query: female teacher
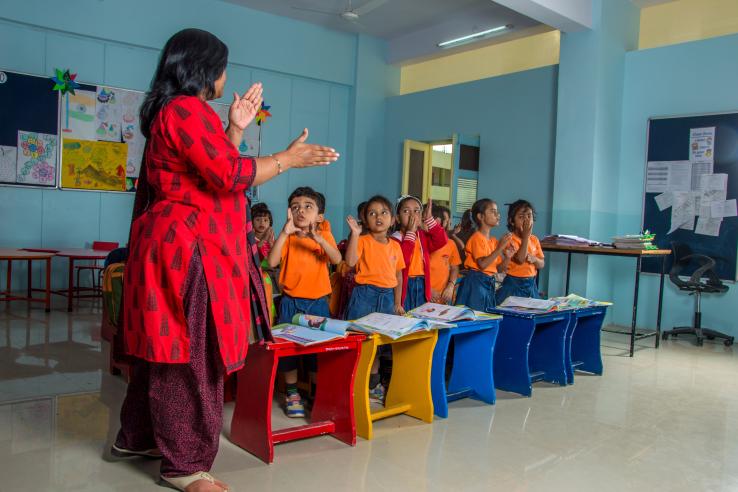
x,y
193,298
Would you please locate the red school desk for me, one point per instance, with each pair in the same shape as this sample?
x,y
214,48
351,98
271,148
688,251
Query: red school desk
x,y
333,409
77,255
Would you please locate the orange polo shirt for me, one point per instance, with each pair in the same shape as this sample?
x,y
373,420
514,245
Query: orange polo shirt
x,y
525,269
477,247
304,268
378,263
440,262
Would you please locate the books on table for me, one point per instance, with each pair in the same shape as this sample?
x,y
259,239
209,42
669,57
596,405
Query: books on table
x,y
395,326
307,329
634,241
527,304
443,312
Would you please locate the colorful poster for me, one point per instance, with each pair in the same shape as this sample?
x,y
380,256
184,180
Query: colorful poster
x,y
108,112
131,131
36,158
702,145
78,115
90,165
8,156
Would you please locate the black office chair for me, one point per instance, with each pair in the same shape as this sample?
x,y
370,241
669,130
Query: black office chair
x,y
683,257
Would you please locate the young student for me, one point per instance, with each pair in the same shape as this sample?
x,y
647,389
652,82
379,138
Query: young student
x,y
462,232
263,222
304,254
524,251
483,255
418,236
444,263
379,266
323,224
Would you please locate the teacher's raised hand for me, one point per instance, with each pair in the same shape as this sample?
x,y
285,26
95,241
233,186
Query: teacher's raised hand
x,y
244,108
302,154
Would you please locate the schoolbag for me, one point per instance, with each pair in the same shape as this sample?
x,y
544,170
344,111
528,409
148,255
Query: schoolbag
x,y
112,291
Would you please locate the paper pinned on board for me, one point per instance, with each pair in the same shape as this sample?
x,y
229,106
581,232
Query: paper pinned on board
x,y
8,156
682,210
723,209
702,145
708,227
664,200
663,176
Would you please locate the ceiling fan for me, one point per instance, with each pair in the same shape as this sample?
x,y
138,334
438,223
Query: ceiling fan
x,y
350,13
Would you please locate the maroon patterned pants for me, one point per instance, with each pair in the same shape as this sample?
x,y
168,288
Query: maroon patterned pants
x,y
178,408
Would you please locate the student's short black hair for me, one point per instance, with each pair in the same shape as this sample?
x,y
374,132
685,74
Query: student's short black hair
x,y
321,203
360,209
376,199
262,210
513,209
478,208
308,192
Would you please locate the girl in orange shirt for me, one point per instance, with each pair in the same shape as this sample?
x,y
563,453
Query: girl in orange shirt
x,y
524,252
483,255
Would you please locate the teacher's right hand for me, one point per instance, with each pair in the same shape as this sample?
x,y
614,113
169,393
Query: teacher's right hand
x,y
301,154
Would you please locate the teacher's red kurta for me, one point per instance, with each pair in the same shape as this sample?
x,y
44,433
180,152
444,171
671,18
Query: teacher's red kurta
x,y
198,181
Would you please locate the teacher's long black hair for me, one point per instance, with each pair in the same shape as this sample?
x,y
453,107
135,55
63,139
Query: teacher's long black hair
x,y
190,63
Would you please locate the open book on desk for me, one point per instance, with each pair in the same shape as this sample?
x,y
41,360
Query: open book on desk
x,y
527,304
395,326
307,329
442,312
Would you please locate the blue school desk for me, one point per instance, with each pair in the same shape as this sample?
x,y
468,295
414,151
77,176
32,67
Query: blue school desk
x,y
530,347
582,350
471,374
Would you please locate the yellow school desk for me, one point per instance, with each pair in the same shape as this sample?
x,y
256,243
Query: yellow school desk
x,y
409,390
638,254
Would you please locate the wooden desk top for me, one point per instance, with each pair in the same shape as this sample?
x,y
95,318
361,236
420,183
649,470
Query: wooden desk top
x,y
19,254
605,250
82,253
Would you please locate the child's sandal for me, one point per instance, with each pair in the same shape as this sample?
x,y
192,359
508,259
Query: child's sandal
x,y
181,483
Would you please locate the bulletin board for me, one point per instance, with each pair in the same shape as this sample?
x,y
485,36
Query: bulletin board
x,y
692,186
29,130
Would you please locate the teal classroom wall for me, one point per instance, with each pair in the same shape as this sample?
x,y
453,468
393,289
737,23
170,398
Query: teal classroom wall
x,y
309,73
515,118
663,82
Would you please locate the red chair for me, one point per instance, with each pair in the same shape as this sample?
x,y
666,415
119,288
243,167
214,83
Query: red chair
x,y
94,267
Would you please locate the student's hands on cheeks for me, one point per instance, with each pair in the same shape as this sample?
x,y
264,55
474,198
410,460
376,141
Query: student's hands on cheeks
x,y
353,225
399,310
289,226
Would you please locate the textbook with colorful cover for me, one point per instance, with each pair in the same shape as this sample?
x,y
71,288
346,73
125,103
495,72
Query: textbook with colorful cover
x,y
443,312
307,329
527,304
395,326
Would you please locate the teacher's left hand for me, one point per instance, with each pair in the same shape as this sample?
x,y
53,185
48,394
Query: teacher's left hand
x,y
244,108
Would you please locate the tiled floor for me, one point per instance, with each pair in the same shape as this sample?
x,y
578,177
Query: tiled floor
x,y
665,420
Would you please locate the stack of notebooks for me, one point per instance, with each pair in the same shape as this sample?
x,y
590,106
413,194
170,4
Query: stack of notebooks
x,y
568,240
526,304
634,241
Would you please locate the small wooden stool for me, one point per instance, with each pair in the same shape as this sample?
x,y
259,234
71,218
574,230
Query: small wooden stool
x,y
333,409
471,374
529,348
409,391
582,350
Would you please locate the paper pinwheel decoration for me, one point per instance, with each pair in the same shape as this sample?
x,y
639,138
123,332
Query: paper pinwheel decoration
x,y
64,81
263,114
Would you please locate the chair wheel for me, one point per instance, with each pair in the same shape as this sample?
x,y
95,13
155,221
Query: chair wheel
x,y
728,342
700,341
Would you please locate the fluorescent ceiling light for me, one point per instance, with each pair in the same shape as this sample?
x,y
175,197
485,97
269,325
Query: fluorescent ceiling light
x,y
473,37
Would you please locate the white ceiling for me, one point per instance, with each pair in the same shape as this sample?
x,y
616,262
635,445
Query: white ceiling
x,y
416,26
